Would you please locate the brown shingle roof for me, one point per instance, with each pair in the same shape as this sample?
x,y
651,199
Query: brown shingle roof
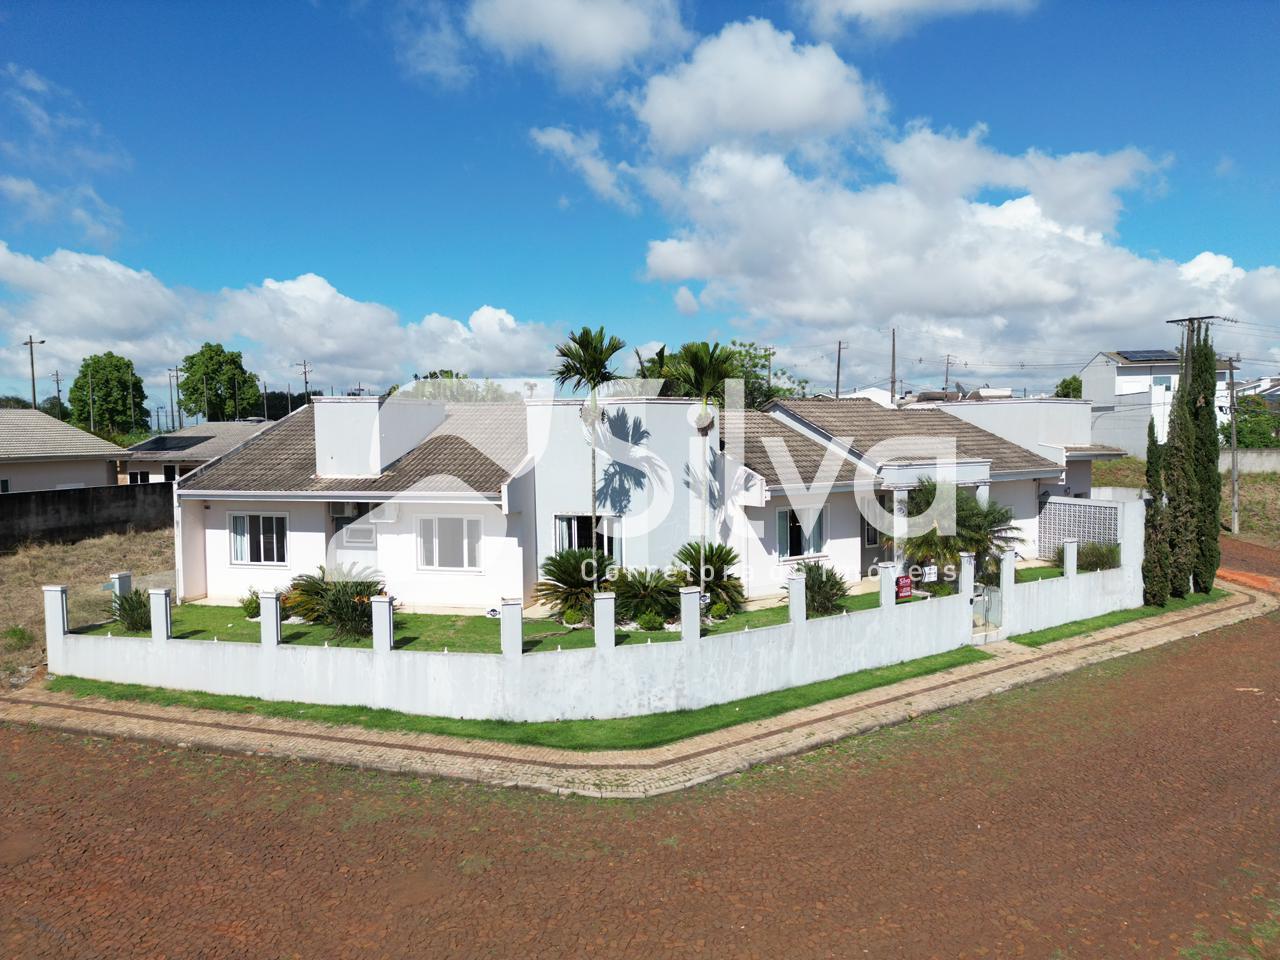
x,y
200,442
864,423
476,448
806,453
32,435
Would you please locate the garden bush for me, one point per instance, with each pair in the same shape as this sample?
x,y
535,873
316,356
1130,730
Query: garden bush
x,y
567,583
251,605
719,558
1092,556
650,622
132,609
344,603
572,617
718,611
643,592
824,588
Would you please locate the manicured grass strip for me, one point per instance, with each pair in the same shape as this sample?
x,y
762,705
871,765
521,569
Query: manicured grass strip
x,y
623,734
1075,628
1030,574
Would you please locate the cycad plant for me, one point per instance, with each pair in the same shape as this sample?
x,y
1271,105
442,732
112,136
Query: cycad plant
x,y
642,592
584,363
824,589
709,567
569,580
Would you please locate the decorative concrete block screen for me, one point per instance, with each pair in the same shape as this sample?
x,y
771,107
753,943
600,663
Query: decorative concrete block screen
x,y
1069,518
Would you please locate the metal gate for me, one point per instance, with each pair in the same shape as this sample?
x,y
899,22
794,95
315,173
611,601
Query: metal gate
x,y
988,610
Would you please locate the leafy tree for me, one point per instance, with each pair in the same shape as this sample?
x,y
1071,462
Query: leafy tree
x,y
1257,425
11,401
1070,388
214,380
585,364
55,407
1204,412
115,385
280,403
752,364
1155,559
985,531
450,386
1183,489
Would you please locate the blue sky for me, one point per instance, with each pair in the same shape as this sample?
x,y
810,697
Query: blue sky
x,y
195,161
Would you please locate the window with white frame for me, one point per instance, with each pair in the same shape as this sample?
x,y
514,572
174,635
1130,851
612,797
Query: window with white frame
x,y
801,539
449,543
259,537
870,533
574,533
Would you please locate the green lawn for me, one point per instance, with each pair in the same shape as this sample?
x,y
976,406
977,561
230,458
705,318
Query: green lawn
x,y
622,734
1030,574
1039,638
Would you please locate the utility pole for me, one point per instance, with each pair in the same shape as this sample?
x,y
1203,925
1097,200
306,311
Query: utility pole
x,y
1235,462
264,397
177,382
840,345
235,390
306,383
946,377
91,424
288,397
133,419
205,378
31,343
57,387
893,365
170,401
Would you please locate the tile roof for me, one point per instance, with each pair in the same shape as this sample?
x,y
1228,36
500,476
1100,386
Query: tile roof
x,y
200,442
864,423
806,453
32,435
476,448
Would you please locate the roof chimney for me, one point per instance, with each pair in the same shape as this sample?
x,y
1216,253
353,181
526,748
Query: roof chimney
x,y
362,436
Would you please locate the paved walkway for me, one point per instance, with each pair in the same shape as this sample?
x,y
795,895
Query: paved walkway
x,y
627,773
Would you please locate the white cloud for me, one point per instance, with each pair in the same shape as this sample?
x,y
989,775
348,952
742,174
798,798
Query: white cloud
x,y
686,302
80,205
892,17
582,153
85,303
752,80
579,38
428,42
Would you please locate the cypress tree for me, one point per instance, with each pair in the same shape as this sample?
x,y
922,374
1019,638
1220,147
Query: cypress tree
x,y
1204,385
1182,487
1155,559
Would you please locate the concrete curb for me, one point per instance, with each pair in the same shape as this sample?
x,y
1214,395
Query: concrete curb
x,y
625,773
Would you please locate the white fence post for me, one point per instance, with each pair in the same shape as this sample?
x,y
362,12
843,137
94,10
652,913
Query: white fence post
x,y
1007,574
55,625
269,617
690,613
121,583
888,584
161,616
512,627
1069,554
602,621
796,609
383,622
966,575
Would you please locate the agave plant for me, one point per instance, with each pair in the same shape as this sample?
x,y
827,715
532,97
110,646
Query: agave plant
x,y
644,592
718,559
569,580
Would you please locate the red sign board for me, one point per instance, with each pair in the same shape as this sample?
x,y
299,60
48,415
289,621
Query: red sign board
x,y
904,588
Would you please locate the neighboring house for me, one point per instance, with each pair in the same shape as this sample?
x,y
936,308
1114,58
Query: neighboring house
x,y
1266,387
1128,388
40,452
457,505
168,456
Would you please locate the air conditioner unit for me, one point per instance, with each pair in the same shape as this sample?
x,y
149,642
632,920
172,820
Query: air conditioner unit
x,y
384,512
340,509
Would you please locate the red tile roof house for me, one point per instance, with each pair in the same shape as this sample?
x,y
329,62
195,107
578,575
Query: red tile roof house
x,y
457,505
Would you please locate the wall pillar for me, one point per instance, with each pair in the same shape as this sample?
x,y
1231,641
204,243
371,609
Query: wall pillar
x,y
966,575
161,616
121,583
1007,579
383,610
603,621
888,584
690,613
1070,550
55,625
512,627
983,492
899,529
269,617
795,599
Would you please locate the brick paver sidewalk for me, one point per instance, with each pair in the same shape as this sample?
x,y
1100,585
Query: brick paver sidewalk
x,y
626,773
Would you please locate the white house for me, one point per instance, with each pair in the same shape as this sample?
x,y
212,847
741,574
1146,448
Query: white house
x,y
456,505
40,452
1130,387
168,456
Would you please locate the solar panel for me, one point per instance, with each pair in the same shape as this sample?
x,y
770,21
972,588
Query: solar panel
x,y
1146,356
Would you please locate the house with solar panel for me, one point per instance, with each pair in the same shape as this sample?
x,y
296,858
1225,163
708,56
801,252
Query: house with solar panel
x,y
1128,388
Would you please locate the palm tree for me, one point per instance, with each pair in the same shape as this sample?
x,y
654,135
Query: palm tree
x,y
700,370
584,363
986,531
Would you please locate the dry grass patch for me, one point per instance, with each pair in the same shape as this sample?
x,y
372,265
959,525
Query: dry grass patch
x,y
84,567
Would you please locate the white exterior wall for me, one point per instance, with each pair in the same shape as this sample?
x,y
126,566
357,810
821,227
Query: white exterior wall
x,y
227,582
25,475
1042,425
1021,496
190,544
764,574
